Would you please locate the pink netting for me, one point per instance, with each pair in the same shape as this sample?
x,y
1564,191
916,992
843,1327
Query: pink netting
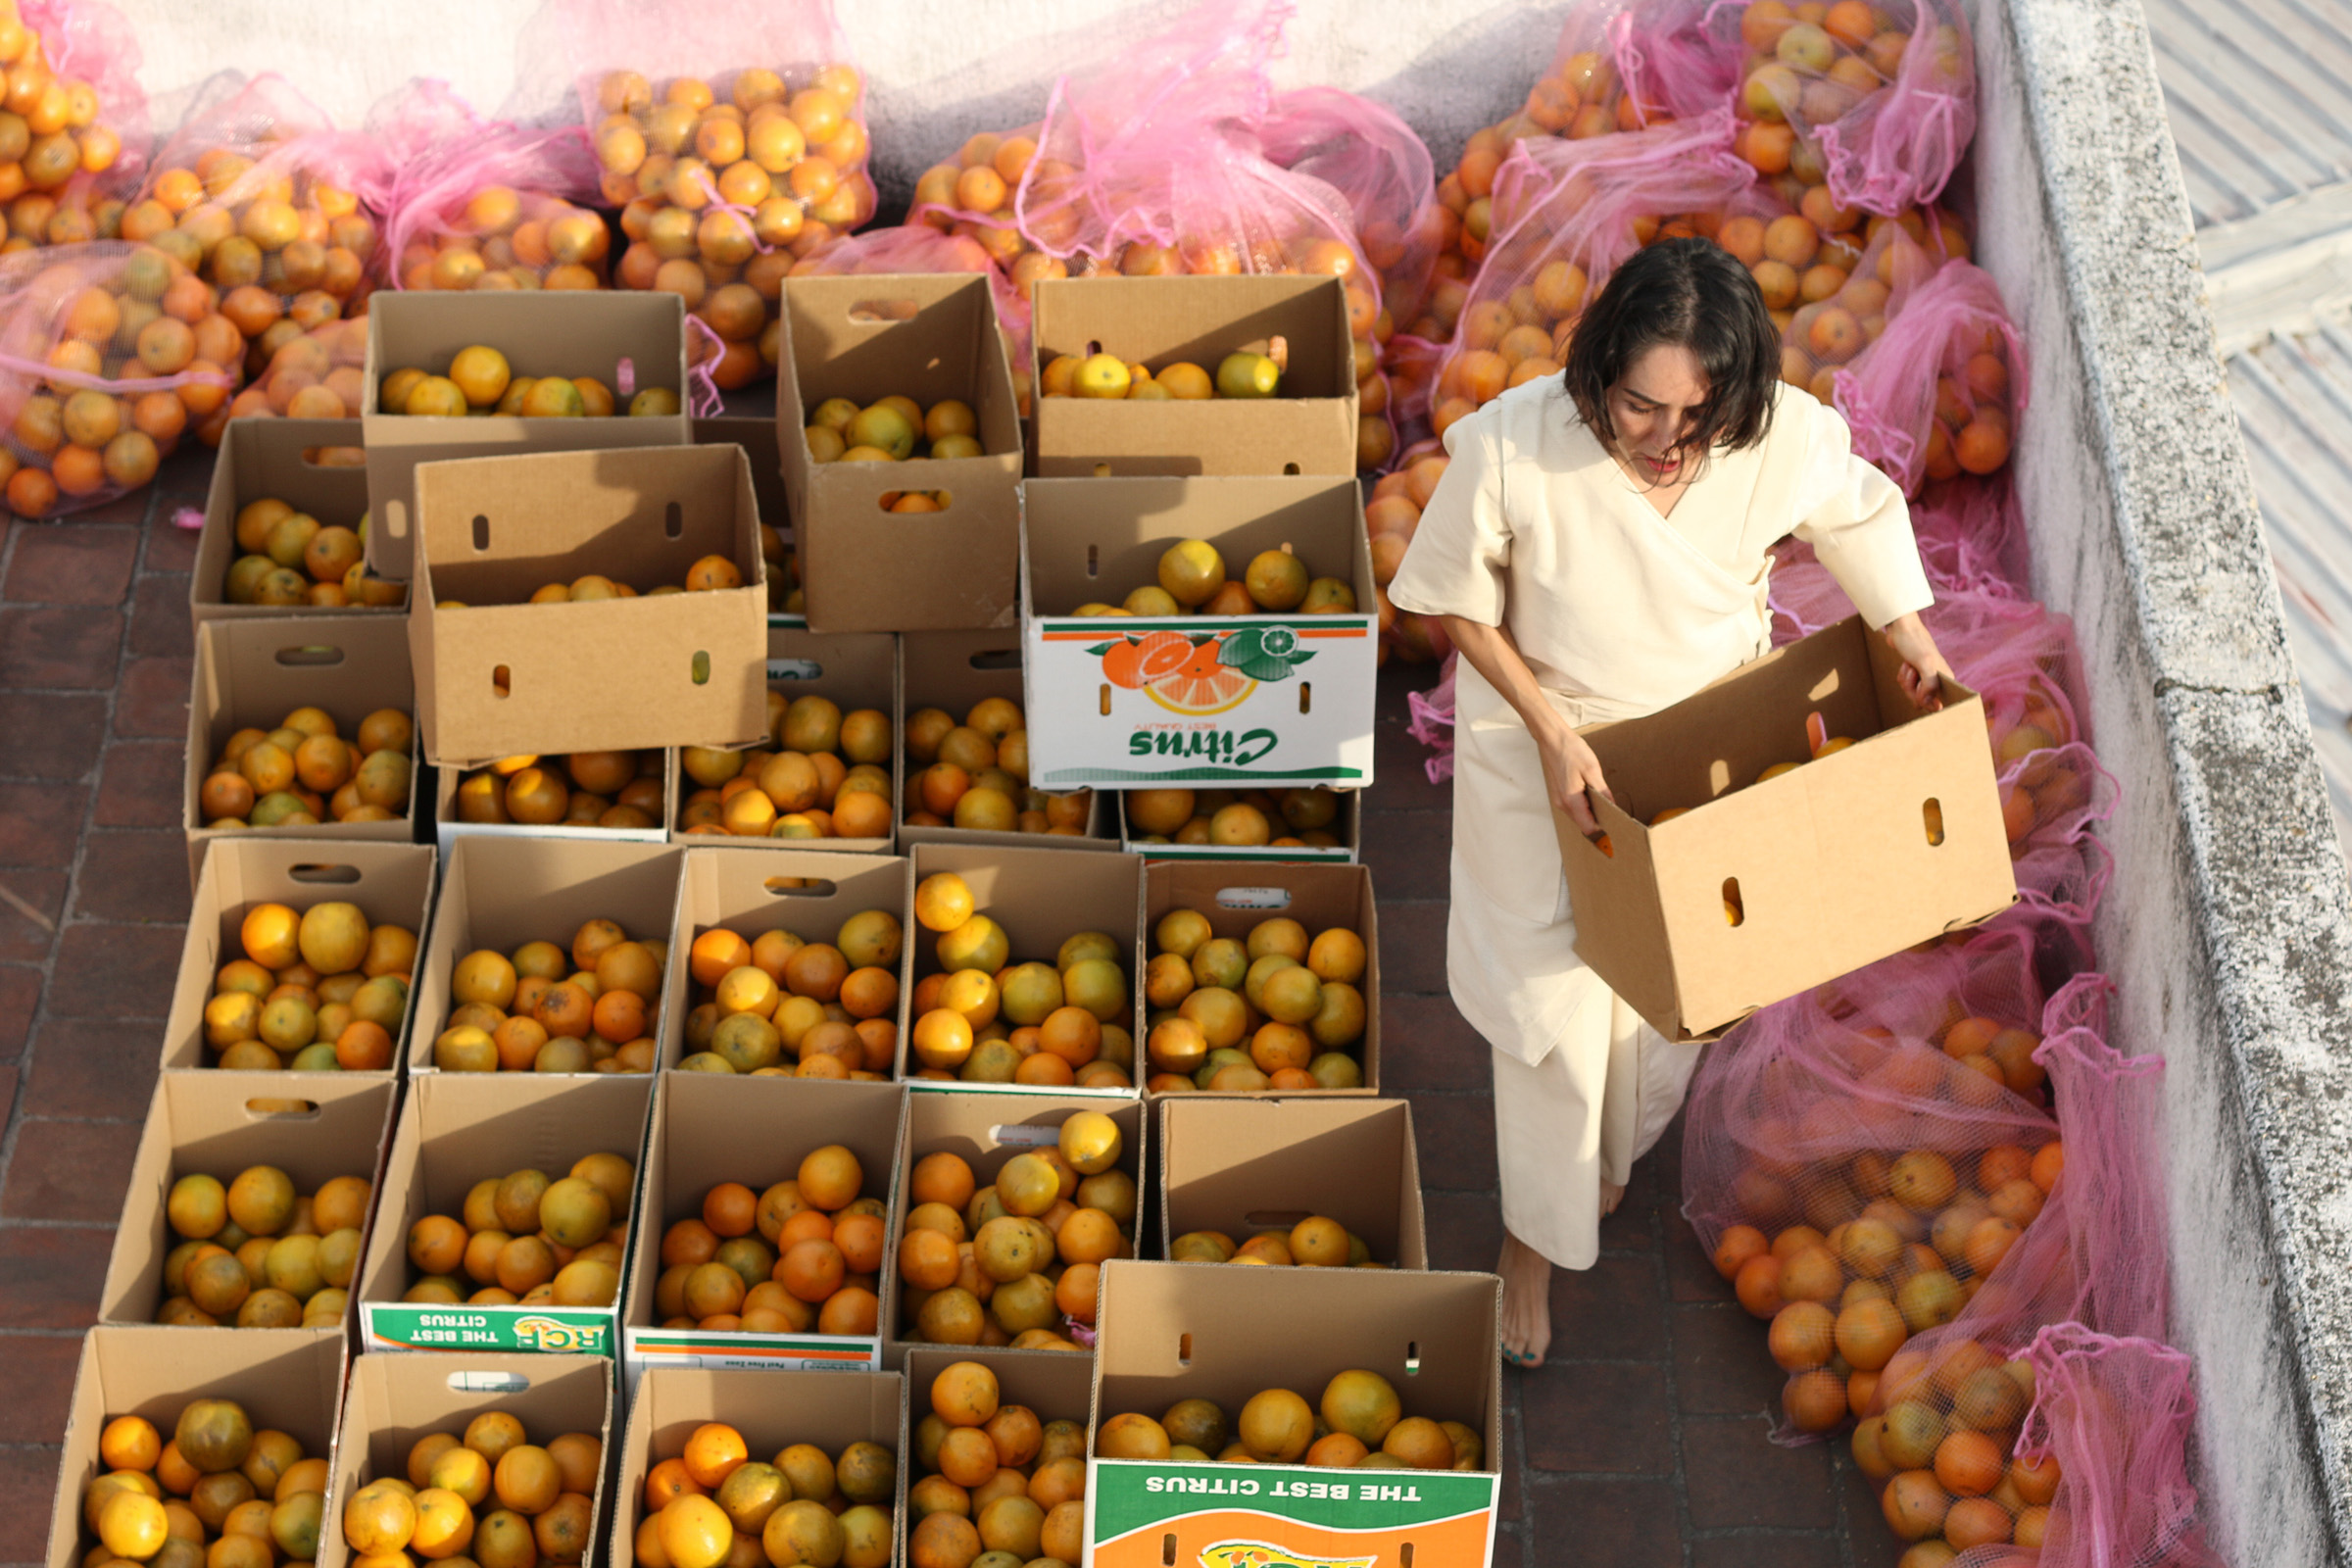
x,y
1939,393
1433,722
476,203
1380,167
1632,64
256,136
1972,537
91,42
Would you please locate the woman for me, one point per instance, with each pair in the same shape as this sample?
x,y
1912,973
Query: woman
x,y
1598,551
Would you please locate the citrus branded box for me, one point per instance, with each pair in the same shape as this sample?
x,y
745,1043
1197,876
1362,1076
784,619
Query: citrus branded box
x,y
1763,889
1241,1165
772,887
710,1128
456,1130
756,435
269,459
497,674
986,1125
1237,895
314,1126
500,893
863,567
955,671
285,1384
450,824
1040,898
851,670
1212,1331
249,674
628,340
1347,827
396,1400
1053,1384
392,884
1309,428
1130,701
773,1410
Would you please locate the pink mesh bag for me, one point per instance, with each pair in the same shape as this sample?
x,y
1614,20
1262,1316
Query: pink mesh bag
x,y
87,416
481,204
84,57
1879,100
1939,393
2109,1441
1381,167
1972,537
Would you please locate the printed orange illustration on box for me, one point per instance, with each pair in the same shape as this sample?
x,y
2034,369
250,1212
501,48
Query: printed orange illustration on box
x,y
1259,1555
1200,673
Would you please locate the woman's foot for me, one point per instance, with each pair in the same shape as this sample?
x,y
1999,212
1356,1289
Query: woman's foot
x,y
1610,1198
1526,1326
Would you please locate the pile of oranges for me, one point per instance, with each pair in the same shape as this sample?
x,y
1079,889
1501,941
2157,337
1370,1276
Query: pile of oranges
x,y
479,380
825,774
257,1254
317,991
52,134
543,1008
720,198
804,1254
290,561
1315,1242
714,1504
524,1240
1360,1424
504,238
996,1479
215,1482
1194,580
976,774
1015,1260
983,1018
586,789
303,772
541,1501
317,376
775,999
892,429
1235,818
1272,1011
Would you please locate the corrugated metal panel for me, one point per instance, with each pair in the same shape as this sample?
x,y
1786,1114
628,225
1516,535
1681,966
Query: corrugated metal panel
x,y
2260,96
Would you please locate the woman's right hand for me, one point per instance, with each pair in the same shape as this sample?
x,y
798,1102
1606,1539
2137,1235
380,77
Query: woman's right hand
x,y
1571,775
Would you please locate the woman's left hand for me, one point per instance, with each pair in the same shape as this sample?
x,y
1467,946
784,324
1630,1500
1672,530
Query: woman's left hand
x,y
1924,668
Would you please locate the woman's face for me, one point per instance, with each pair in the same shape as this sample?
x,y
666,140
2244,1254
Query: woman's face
x,y
1654,406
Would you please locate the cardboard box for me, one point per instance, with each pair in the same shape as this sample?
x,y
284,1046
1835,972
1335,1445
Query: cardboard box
x,y
864,567
251,673
771,1409
756,435
220,1124
449,827
710,1128
391,883
1177,1331
1347,827
501,893
1829,867
1042,898
1237,896
1243,1165
568,333
852,669
1289,697
1054,1385
262,459
1310,429
455,1132
810,893
293,1386
957,670
396,1400
987,1124
501,676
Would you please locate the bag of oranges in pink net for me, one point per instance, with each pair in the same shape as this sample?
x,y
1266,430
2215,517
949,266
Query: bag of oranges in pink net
x,y
1938,394
101,370
734,141
1382,168
75,128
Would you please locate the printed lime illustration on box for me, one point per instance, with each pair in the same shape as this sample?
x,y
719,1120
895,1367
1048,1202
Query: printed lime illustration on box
x,y
646,1349
1244,701
1143,1512
555,1331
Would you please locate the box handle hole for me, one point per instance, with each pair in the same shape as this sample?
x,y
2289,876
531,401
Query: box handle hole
x,y
1404,1556
1931,812
673,522
312,655
1184,1350
625,378
1254,898
882,313
1092,348
481,532
396,519
478,1381
700,670
1719,776
1107,698
1289,468
1734,911
502,683
794,669
1306,695
1102,471
286,1109
801,887
997,659
1167,1549
1094,560
895,502
325,873
1412,1358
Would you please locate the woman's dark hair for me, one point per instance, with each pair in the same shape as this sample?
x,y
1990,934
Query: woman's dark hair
x,y
1687,293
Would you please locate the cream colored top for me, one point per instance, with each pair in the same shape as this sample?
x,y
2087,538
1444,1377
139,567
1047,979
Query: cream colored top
x,y
1620,611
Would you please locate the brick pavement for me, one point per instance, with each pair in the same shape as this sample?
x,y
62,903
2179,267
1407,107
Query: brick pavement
x,y
1640,1443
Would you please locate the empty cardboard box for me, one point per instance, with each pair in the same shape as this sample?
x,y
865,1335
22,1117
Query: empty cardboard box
x,y
955,671
1215,1332
1237,895
710,1128
1309,428
391,884
454,1133
251,673
498,675
1760,890
268,460
1241,1166
630,341
1129,702
863,567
